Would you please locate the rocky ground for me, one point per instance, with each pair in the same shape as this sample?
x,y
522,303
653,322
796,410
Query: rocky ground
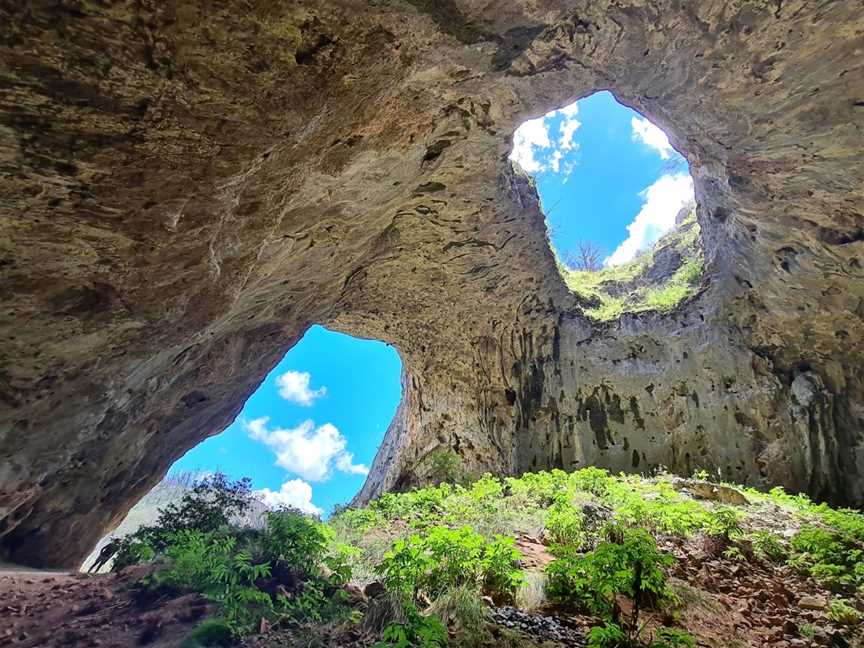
x,y
42,610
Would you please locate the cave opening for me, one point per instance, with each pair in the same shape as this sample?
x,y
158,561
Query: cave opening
x,y
619,205
306,437
309,432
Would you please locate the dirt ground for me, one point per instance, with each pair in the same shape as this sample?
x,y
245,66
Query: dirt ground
x,y
41,609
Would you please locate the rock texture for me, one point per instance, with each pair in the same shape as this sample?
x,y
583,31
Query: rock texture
x,y
186,186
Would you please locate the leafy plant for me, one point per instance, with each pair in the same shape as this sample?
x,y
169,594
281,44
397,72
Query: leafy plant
x,y
832,558
663,508
564,525
592,480
293,539
210,504
209,633
463,611
542,487
768,547
634,567
841,612
417,630
609,635
445,466
734,553
243,571
672,638
446,558
499,576
210,564
724,523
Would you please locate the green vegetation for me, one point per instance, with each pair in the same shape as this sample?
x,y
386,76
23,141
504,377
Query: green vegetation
x,y
627,564
206,506
630,564
829,545
626,288
425,566
445,466
768,547
441,556
290,570
841,612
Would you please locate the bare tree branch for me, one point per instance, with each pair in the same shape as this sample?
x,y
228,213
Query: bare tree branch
x,y
586,256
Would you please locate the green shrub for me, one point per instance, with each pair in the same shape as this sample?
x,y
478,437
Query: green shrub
x,y
768,547
230,566
672,638
564,525
635,568
359,520
500,579
210,504
210,564
294,540
690,272
445,466
444,558
463,611
612,635
832,558
416,630
487,490
841,612
420,507
542,488
609,635
734,553
724,523
592,480
210,633
661,507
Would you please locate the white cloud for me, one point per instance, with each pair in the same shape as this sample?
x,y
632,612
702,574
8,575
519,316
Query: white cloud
x,y
650,135
294,386
534,149
295,493
531,135
568,126
310,452
662,202
555,161
569,110
345,463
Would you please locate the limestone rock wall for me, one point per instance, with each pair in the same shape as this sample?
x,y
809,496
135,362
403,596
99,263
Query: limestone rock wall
x,y
186,186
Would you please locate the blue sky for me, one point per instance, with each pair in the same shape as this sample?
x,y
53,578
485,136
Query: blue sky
x,y
605,174
308,435
310,431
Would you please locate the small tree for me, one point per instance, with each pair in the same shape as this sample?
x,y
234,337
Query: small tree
x,y
587,256
211,503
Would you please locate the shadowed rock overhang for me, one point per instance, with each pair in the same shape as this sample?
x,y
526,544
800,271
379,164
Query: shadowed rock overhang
x,y
186,187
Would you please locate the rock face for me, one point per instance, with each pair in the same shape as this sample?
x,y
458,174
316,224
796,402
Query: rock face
x,y
186,186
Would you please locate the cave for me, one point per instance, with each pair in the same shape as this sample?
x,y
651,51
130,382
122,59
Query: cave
x,y
186,189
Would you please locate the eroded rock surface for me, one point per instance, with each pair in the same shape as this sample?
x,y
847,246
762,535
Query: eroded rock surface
x,y
187,186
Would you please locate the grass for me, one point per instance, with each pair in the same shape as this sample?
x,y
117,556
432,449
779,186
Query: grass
x,y
615,290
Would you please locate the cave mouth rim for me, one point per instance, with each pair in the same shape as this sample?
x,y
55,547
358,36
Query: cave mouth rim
x,y
331,415
659,218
